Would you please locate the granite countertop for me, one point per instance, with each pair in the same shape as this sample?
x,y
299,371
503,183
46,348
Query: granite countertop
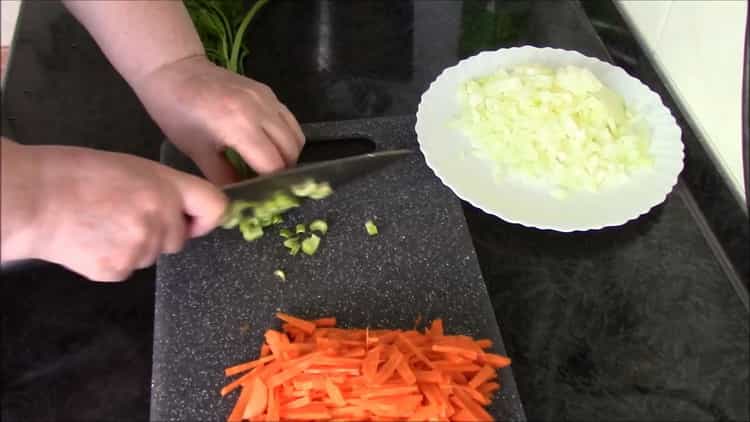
x,y
644,322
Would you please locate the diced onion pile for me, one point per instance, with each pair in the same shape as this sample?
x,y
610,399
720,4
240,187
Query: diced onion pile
x,y
561,126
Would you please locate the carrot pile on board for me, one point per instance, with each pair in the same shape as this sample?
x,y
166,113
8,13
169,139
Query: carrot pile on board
x,y
312,370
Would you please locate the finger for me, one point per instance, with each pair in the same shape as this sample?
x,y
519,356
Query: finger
x,y
176,233
153,246
283,137
292,122
215,166
202,202
259,151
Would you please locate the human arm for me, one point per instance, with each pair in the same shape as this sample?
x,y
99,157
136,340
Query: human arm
x,y
201,107
98,213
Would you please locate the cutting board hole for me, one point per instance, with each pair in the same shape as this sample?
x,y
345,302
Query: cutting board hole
x,y
332,149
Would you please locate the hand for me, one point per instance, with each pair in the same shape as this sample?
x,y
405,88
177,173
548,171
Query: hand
x,y
104,214
205,109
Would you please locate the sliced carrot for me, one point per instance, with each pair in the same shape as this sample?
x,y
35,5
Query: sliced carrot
x,y
265,350
484,343
436,329
312,370
334,393
405,372
497,361
485,374
469,354
239,407
306,326
237,369
258,400
388,367
488,388
325,322
313,411
273,405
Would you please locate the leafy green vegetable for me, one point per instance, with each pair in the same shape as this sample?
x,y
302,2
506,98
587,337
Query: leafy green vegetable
x,y
250,229
299,228
319,226
371,228
285,233
310,245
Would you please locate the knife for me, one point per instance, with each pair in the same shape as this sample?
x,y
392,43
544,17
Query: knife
x,y
335,172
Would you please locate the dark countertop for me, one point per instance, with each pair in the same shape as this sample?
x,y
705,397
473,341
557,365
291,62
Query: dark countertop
x,y
644,322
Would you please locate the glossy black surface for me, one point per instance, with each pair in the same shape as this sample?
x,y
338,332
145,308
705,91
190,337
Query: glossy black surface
x,y
637,323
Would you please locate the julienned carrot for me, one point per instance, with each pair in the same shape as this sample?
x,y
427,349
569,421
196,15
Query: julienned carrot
x,y
312,370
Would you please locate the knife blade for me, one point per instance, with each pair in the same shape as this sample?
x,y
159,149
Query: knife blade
x,y
335,172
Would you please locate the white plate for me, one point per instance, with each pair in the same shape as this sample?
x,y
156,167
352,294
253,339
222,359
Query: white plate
x,y
448,152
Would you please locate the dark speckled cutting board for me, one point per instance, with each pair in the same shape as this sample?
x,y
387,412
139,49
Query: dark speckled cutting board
x,y
215,299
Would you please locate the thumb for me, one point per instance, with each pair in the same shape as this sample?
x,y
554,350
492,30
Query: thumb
x,y
216,167
202,202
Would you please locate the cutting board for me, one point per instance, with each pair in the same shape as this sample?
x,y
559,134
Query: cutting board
x,y
215,299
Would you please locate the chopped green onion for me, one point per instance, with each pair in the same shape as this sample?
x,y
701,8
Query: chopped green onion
x,y
280,274
299,228
321,191
285,233
293,245
319,226
250,230
371,228
277,219
310,245
304,189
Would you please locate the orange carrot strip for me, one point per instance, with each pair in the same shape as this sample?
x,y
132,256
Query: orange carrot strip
x,y
497,361
428,376
297,403
485,374
484,343
334,393
370,363
425,413
469,354
273,406
478,411
392,391
488,388
456,367
258,399
464,415
273,338
436,329
338,362
306,326
474,394
405,372
313,411
389,367
292,371
325,322
239,407
236,369
265,350
413,349
239,381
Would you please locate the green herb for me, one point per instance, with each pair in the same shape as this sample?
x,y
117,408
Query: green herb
x,y
371,228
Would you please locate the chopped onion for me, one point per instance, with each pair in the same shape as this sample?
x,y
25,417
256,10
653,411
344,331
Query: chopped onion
x,y
562,127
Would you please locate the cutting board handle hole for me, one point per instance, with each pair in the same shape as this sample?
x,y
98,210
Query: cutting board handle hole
x,y
331,149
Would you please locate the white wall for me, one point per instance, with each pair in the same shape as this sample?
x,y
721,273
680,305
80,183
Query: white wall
x,y
9,13
698,46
